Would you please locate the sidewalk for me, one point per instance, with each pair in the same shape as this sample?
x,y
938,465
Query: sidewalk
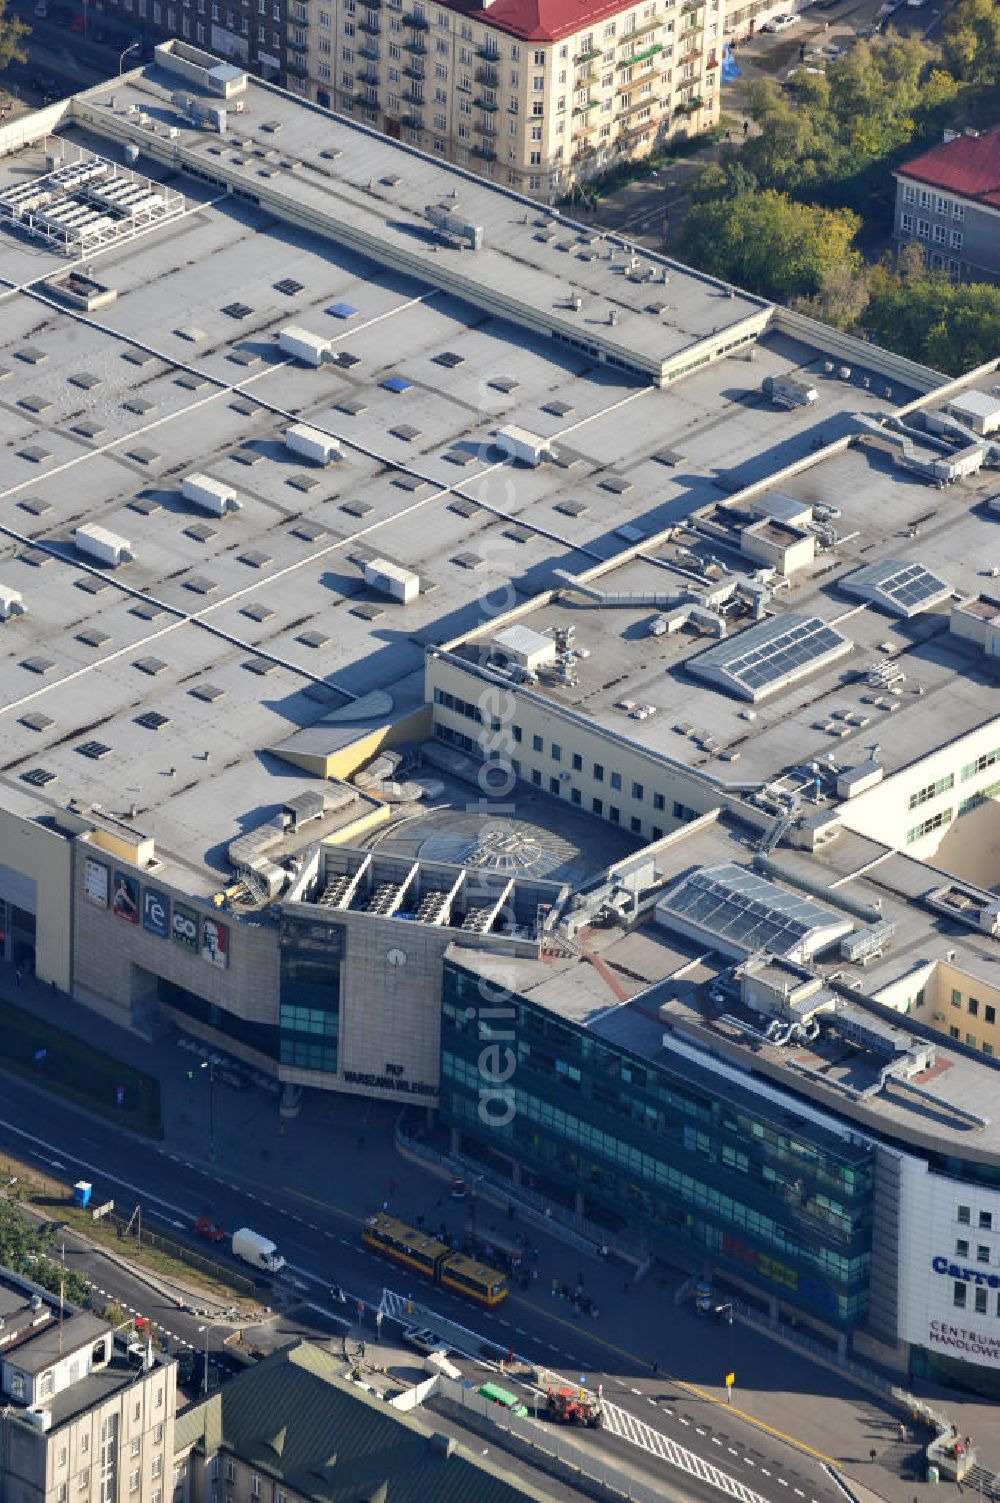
x,y
341,1151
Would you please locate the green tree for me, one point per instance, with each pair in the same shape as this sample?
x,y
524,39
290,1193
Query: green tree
x,y
769,244
927,317
971,38
12,33
23,1249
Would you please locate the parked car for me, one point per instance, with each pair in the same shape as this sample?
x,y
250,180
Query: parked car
x,y
781,23
458,1189
205,1227
423,1339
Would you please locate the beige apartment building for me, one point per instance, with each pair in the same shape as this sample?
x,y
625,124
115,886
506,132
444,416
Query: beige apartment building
x,y
535,94
88,1416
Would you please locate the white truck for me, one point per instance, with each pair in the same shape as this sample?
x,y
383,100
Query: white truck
x,y
260,1252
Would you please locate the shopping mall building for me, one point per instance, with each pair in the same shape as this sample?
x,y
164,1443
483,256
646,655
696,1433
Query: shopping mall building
x,y
487,667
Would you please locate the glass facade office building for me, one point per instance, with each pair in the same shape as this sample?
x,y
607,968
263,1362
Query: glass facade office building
x,y
679,1153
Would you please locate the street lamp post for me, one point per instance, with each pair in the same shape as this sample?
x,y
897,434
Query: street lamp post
x,y
132,47
728,1311
209,1065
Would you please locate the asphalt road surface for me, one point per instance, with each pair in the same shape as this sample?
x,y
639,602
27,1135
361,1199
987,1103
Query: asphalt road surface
x,y
321,1243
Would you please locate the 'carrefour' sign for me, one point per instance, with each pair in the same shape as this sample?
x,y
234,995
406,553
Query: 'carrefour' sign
x,y
968,1275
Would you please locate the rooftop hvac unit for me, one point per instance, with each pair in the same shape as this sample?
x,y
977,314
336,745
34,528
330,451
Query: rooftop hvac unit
x,y
311,349
11,603
311,444
131,153
103,546
211,495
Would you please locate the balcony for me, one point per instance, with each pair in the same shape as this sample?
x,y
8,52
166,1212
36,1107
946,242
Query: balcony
x,y
368,97
294,46
417,22
483,103
692,55
484,151
485,128
414,96
414,70
488,76
299,18
369,50
581,109
488,54
369,76
370,28
297,67
640,57
690,6
586,57
417,46
643,31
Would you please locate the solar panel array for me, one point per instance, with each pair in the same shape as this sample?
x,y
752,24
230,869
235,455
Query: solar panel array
x,y
737,906
903,588
763,657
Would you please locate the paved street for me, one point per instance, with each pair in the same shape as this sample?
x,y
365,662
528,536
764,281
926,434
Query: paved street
x,y
310,1182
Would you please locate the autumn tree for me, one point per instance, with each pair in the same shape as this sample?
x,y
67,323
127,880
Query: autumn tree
x,y
12,33
768,243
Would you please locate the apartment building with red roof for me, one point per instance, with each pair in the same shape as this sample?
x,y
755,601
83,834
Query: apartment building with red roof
x,y
534,94
948,201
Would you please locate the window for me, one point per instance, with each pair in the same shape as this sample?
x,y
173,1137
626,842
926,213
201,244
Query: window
x,y
85,1439
958,211
909,194
982,1253
988,1050
537,743
62,1492
964,1216
956,239
635,825
516,732
941,205
925,199
956,998
230,1471
556,752
982,1295
577,762
575,796
958,1295
135,1448
62,1456
83,1480
658,801
906,223
924,229
989,1013
986,1221
598,773
928,826
616,782
598,806
955,1033
133,1481
931,790
536,777
970,1039
539,59
962,1248
940,234
254,1485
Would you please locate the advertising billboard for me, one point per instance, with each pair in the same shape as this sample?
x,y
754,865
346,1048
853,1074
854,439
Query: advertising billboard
x,y
184,927
125,901
96,881
215,942
155,912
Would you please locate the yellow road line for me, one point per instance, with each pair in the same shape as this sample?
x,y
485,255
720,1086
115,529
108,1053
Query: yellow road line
x,y
325,1204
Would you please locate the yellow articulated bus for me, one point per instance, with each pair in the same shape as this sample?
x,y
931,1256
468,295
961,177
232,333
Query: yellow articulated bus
x,y
435,1260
